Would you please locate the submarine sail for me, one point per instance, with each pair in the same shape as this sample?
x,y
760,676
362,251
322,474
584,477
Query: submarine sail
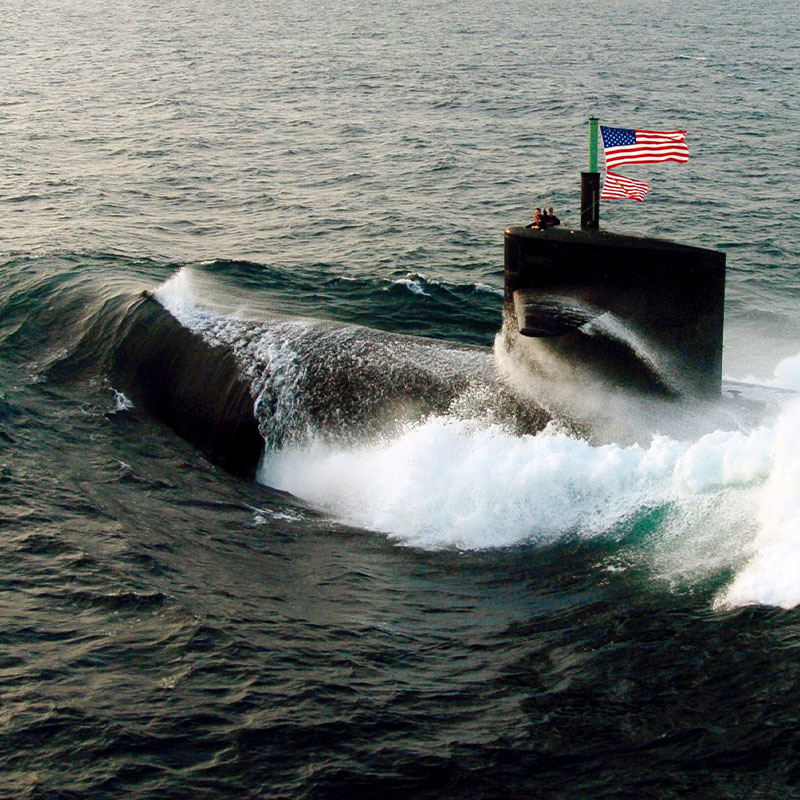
x,y
576,289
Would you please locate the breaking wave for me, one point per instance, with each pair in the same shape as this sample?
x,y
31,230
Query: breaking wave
x,y
450,475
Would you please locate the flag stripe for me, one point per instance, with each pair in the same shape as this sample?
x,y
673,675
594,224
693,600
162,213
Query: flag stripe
x,y
648,157
624,155
618,187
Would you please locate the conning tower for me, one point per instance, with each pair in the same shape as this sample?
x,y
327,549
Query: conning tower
x,y
641,312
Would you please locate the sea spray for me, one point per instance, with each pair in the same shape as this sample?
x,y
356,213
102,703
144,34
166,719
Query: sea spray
x,y
770,576
312,377
727,501
454,483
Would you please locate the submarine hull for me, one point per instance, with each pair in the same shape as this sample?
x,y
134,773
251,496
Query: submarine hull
x,y
193,387
639,312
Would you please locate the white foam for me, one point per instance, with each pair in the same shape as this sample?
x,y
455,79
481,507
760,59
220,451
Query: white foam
x,y
414,283
179,295
456,483
771,576
487,289
262,516
728,501
122,402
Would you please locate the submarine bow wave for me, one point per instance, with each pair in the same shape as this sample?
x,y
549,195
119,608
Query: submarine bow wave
x,y
423,441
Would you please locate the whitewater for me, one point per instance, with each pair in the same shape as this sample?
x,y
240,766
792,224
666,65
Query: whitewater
x,y
727,500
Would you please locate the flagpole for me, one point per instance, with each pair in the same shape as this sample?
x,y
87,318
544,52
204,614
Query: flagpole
x,y
590,183
593,128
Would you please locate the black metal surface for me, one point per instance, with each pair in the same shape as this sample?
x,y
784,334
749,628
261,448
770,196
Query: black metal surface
x,y
662,292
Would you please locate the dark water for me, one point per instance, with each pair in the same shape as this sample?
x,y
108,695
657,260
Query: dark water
x,y
424,593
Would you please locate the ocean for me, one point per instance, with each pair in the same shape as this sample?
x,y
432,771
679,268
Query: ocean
x,y
410,586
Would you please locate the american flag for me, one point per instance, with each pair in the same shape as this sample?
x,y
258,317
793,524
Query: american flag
x,y
618,187
628,146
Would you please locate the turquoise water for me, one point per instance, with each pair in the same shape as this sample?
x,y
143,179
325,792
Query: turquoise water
x,y
421,594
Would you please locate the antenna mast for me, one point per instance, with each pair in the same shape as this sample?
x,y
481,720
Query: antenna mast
x,y
590,184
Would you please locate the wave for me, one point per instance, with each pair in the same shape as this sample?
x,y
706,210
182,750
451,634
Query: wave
x,y
194,387
430,442
223,381
311,377
450,474
725,503
445,482
404,302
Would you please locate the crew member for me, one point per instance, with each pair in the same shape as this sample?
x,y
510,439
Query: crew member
x,y
537,220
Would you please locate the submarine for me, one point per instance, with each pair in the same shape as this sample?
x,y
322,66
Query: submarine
x,y
581,306
633,312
